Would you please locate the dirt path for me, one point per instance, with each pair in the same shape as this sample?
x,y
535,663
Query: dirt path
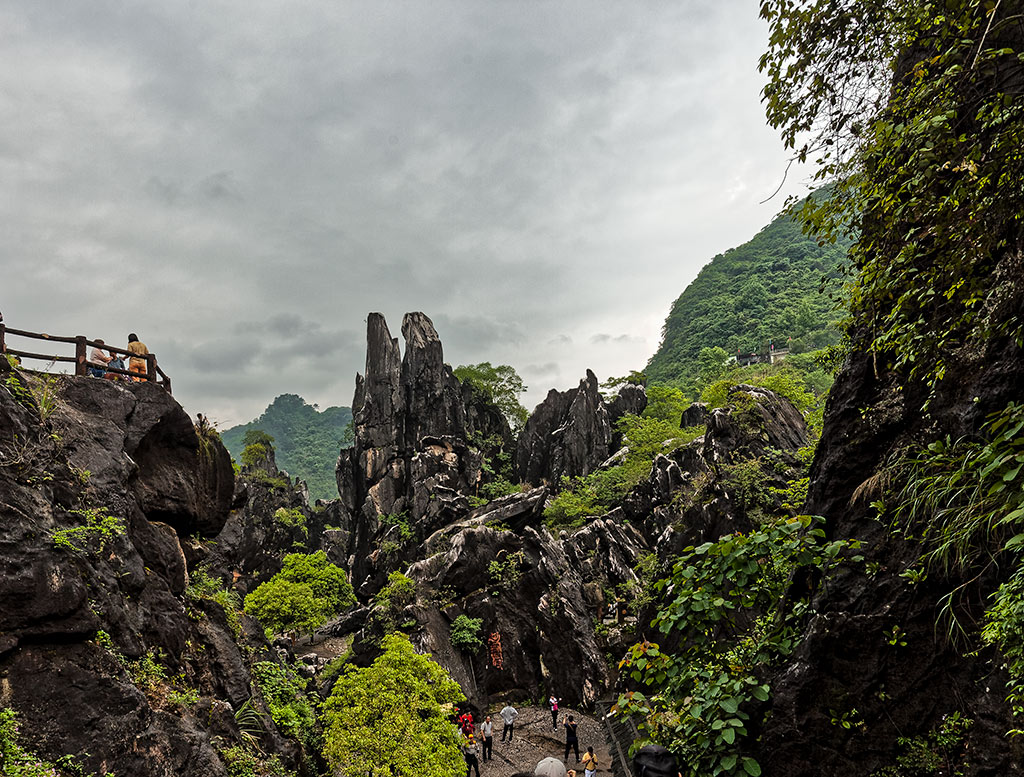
x,y
534,739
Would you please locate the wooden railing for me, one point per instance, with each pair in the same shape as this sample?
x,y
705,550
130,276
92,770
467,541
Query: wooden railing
x,y
80,359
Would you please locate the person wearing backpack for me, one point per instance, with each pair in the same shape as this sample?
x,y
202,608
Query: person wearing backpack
x,y
589,763
571,739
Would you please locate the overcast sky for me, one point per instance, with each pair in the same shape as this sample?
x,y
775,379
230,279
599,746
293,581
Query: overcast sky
x,y
241,182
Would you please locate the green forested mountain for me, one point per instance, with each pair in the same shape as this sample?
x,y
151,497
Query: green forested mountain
x,y
766,289
306,440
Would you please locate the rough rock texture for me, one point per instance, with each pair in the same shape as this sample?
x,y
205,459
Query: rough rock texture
x,y
694,415
693,495
569,434
137,432
95,501
536,607
410,461
846,658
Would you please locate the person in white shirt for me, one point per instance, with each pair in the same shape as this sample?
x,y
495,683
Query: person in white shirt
x,y
98,360
508,716
486,731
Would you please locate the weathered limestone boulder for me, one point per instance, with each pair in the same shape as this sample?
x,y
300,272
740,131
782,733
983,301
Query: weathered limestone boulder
x,y
137,432
568,435
695,415
532,606
632,398
756,421
98,488
411,463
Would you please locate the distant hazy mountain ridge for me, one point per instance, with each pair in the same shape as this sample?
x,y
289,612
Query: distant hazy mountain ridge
x,y
767,289
306,440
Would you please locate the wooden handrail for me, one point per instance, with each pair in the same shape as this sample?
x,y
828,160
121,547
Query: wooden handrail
x,y
80,359
40,356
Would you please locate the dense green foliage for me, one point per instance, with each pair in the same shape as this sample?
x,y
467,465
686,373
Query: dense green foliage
x,y
285,694
306,440
925,150
393,717
243,762
913,110
302,596
728,597
767,289
965,498
465,633
500,385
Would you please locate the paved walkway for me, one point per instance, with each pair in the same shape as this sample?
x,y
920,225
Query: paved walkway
x,y
534,739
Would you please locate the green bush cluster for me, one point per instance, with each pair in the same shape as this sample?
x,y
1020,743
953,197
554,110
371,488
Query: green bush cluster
x,y
291,710
397,712
202,586
244,762
99,531
302,596
292,518
465,634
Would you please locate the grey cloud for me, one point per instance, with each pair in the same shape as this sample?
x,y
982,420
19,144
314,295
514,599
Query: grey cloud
x,y
602,338
252,179
546,370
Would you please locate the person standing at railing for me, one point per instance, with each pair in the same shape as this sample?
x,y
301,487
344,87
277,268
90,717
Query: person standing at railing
x,y
98,361
139,351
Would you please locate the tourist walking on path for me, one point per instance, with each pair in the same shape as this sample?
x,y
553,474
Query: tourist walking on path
x,y
571,738
508,716
486,731
589,763
469,752
553,701
137,362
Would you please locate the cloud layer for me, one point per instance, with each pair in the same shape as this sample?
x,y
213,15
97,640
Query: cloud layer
x,y
240,183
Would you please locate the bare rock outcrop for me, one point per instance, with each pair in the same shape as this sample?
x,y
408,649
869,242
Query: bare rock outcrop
x,y
101,486
411,463
569,434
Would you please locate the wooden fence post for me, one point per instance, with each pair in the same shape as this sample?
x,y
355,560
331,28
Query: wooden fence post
x,y
150,367
80,358
3,345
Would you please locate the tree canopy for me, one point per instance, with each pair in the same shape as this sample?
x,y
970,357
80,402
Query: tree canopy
x,y
501,385
392,718
302,596
768,289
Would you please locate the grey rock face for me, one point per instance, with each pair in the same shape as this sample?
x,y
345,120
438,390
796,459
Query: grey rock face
x,y
410,456
568,435
128,453
630,399
695,415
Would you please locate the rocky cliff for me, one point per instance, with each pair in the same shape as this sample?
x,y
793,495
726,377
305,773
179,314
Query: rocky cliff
x,y
108,650
404,507
908,686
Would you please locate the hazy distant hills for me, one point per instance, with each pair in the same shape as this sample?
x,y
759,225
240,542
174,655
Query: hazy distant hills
x,y
306,440
766,289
